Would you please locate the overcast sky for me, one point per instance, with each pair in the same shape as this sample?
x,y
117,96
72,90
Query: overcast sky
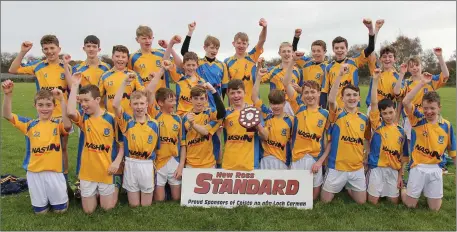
x,y
115,23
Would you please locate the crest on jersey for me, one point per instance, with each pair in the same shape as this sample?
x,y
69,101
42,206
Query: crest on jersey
x,y
142,66
106,132
54,132
362,127
283,132
425,134
320,123
158,63
440,139
318,76
88,129
110,83
175,127
150,139
425,90
231,123
62,76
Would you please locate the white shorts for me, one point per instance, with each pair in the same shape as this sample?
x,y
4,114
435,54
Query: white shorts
x,y
138,175
306,163
382,182
427,178
47,188
288,109
188,166
165,174
89,188
407,127
335,180
272,163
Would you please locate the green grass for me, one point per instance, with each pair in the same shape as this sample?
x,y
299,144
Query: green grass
x,y
341,214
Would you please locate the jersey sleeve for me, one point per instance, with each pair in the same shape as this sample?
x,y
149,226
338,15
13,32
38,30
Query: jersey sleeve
x,y
302,61
225,77
78,120
373,63
263,108
174,74
295,102
153,110
451,149
327,81
138,83
20,123
375,119
255,53
360,59
438,81
123,120
333,114
300,77
184,127
414,116
28,68
62,128
213,126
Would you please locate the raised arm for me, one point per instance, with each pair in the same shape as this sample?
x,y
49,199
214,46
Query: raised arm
x,y
399,83
155,78
374,90
129,77
296,39
371,37
287,80
407,101
67,68
71,108
174,40
439,54
7,87
378,27
25,47
220,108
197,127
186,44
263,34
58,95
260,72
335,86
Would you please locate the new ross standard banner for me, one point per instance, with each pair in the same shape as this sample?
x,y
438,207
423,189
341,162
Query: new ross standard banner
x,y
228,189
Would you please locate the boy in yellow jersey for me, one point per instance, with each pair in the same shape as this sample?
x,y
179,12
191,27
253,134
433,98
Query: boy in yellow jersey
x,y
50,73
415,68
169,161
340,48
275,75
430,137
276,144
98,156
309,131
200,125
112,80
43,160
147,60
345,161
141,142
241,66
242,147
388,149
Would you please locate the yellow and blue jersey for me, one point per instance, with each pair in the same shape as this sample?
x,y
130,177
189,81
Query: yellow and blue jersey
x,y
170,129
350,78
429,141
91,74
43,144
183,88
276,75
244,69
309,131
313,71
216,74
147,63
97,147
141,140
279,134
386,85
347,135
388,145
242,148
111,81
48,76
201,150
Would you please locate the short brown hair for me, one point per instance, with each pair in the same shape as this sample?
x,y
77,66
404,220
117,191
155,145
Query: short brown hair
x,y
353,87
414,60
235,84
284,44
163,94
432,96
311,84
321,43
44,94
49,39
276,96
137,94
241,35
387,49
197,91
143,30
212,40
120,48
190,56
339,39
92,89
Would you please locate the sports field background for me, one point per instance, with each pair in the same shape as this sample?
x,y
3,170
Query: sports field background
x,y
341,214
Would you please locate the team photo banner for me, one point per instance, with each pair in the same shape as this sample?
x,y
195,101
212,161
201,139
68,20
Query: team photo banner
x,y
221,188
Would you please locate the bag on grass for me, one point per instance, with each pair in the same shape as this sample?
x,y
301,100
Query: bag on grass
x,y
12,185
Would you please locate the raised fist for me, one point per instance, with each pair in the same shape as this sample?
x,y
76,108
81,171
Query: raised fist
x,y
379,24
166,64
7,86
368,23
57,93
298,32
192,26
403,68
263,22
66,58
163,44
26,46
176,39
438,51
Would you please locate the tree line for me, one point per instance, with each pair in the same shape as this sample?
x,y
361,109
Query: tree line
x,y
406,47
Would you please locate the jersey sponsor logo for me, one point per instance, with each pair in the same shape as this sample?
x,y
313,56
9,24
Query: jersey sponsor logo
x,y
418,105
345,83
168,140
352,140
246,78
275,144
50,88
198,140
149,139
97,147
385,95
307,135
41,150
240,138
427,151
145,79
125,95
184,98
140,154
391,152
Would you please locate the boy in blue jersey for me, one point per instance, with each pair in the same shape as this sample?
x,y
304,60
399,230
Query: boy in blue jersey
x,y
43,161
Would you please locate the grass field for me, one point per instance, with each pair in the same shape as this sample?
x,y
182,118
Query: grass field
x,y
341,214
